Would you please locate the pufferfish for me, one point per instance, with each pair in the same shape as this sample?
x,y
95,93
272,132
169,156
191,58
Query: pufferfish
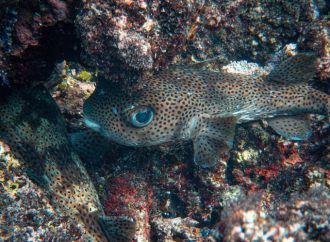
x,y
32,126
185,103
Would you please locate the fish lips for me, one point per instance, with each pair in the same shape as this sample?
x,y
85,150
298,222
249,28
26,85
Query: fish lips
x,y
91,124
97,127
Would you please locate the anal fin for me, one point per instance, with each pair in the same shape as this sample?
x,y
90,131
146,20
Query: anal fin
x,y
118,228
208,151
291,127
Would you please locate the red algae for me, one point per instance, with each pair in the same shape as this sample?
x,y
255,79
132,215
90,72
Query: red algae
x,y
129,195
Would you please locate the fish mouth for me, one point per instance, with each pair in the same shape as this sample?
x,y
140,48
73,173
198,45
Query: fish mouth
x,y
109,135
91,124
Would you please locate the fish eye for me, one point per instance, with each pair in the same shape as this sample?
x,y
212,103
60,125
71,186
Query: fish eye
x,y
142,117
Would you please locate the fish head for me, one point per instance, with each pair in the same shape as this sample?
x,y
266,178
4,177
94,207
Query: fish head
x,y
145,118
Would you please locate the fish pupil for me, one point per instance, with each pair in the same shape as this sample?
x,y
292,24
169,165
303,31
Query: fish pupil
x,y
144,116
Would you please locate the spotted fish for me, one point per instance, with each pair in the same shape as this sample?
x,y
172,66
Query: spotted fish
x,y
31,125
203,106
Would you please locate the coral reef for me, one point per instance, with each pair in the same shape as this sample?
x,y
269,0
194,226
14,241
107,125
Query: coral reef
x,y
266,27
270,188
27,29
171,199
138,35
303,218
125,38
131,198
70,85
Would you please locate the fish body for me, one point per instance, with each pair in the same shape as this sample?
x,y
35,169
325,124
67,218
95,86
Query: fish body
x,y
32,126
183,103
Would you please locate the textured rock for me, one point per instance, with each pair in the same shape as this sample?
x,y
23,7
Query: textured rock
x,y
303,218
125,38
27,30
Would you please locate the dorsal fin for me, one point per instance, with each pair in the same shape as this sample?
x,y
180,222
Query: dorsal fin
x,y
297,69
118,228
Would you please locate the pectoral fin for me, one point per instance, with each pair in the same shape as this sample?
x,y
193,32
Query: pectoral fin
x,y
219,128
291,127
118,229
214,140
89,145
297,69
209,151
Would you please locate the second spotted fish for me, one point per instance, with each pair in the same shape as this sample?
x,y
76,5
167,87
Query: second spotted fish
x,y
203,106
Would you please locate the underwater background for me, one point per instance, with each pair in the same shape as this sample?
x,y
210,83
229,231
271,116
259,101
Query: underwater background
x,y
53,53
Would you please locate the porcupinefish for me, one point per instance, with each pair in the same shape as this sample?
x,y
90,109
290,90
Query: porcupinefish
x,y
189,104
31,125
